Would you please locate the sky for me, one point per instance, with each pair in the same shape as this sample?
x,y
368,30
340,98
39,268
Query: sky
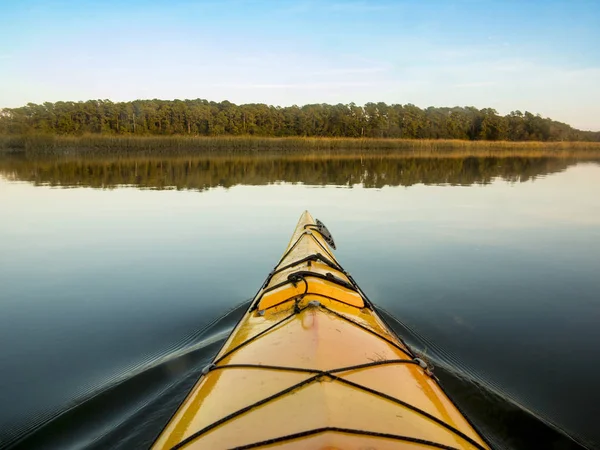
x,y
527,55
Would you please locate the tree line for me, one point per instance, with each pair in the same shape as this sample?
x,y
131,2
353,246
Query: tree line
x,y
208,118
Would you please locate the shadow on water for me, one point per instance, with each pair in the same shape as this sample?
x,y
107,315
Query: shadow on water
x,y
201,173
130,413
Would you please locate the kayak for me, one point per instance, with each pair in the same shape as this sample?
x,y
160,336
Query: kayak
x,y
312,365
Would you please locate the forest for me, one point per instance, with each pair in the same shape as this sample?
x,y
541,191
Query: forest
x,y
207,118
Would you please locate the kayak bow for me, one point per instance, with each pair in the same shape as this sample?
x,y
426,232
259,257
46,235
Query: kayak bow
x,y
312,365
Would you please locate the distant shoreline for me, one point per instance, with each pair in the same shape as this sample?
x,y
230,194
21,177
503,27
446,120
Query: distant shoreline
x,y
200,117
99,144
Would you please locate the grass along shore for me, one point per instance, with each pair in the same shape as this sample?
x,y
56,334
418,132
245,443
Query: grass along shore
x,y
95,144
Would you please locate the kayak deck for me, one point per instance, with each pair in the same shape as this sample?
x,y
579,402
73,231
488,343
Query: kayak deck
x,y
311,365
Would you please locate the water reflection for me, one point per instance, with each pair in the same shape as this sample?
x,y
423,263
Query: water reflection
x,y
200,173
104,291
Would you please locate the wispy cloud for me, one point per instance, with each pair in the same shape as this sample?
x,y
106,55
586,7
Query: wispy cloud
x,y
348,71
475,84
298,51
331,85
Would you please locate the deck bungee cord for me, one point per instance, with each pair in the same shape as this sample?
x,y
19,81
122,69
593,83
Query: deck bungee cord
x,y
310,292
317,375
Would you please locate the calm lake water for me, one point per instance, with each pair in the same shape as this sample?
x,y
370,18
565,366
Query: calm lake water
x,y
120,277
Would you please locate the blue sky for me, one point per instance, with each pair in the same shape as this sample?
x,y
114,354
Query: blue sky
x,y
540,56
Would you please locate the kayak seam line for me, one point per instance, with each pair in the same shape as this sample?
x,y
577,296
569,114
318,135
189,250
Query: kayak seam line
x,y
309,380
368,302
307,233
374,364
302,383
392,331
321,228
467,419
266,330
314,371
298,310
317,375
266,367
411,407
373,332
261,292
321,245
404,350
292,247
312,432
326,373
186,398
245,409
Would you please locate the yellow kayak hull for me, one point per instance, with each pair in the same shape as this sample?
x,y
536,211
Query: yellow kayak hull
x,y
312,365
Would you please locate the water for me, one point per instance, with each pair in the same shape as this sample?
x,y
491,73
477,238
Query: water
x,y
116,291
